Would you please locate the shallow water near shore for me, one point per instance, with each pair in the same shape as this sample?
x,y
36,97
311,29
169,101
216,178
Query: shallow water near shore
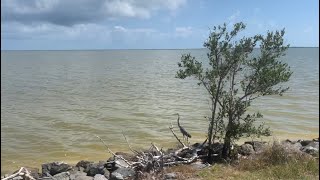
x,y
53,103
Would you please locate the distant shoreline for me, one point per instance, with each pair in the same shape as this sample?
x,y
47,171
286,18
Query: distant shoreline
x,y
116,49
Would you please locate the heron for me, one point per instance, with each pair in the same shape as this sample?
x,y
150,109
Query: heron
x,y
182,130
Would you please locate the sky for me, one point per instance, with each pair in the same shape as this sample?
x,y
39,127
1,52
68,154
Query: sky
x,y
148,24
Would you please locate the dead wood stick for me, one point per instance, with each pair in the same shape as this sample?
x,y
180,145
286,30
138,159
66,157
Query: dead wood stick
x,y
134,151
109,150
17,174
156,148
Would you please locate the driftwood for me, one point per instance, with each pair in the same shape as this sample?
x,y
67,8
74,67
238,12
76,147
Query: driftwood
x,y
23,172
155,159
152,160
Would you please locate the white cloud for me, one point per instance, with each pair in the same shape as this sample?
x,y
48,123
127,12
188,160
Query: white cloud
x,y
71,12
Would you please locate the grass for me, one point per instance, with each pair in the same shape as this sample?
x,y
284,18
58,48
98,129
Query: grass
x,y
276,162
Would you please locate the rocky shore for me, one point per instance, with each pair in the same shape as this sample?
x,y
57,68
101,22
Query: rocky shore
x,y
139,165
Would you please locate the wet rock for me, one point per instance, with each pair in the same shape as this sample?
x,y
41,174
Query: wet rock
x,y
169,176
62,176
55,168
82,165
258,146
246,149
116,176
94,169
99,177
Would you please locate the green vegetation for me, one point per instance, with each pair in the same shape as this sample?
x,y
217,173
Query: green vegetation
x,y
234,77
276,162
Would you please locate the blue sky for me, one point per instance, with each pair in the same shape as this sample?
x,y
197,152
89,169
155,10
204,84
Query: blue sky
x,y
148,24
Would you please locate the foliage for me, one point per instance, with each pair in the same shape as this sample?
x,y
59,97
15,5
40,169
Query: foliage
x,y
234,77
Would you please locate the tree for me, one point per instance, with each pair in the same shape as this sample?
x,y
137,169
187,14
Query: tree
x,y
234,77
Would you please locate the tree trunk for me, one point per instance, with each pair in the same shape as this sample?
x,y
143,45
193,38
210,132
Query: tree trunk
x,y
226,146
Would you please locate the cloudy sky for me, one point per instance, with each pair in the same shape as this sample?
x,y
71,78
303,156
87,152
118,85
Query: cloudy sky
x,y
148,24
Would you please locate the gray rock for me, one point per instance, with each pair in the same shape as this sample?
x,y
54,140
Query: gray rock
x,y
75,174
170,176
82,165
55,168
116,176
258,146
312,148
305,142
62,176
78,175
99,177
246,149
125,172
292,146
314,144
94,169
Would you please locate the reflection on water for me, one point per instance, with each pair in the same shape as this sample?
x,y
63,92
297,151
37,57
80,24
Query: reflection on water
x,y
53,103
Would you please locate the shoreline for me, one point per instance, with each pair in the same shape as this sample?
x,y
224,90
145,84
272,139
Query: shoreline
x,y
109,156
102,154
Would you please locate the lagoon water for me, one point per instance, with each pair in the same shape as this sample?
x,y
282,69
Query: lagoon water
x,y
53,103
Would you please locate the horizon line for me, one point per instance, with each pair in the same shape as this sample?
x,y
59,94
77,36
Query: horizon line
x,y
126,49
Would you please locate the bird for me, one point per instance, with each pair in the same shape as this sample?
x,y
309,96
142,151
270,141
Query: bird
x,y
182,130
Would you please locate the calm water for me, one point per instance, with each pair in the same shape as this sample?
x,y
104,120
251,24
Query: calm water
x,y
53,103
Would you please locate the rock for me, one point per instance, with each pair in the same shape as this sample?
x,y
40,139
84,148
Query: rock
x,y
82,165
246,149
314,144
55,168
78,175
99,177
292,145
170,176
94,169
114,163
116,176
315,139
305,142
258,146
312,148
62,176
125,172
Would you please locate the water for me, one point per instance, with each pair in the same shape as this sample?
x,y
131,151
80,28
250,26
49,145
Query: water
x,y
53,103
